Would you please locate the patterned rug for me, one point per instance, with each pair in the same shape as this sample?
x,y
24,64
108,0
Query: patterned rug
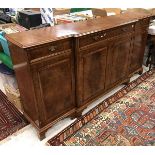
x,y
11,120
126,118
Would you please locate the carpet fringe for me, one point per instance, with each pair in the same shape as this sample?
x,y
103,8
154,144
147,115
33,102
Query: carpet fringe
x,y
15,134
75,126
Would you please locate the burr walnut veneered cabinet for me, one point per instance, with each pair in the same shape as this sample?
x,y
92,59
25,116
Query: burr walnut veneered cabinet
x,y
60,70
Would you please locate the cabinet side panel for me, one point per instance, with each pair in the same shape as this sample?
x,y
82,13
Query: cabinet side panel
x,y
25,84
137,53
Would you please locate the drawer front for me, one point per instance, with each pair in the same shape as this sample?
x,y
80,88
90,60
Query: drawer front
x,y
102,35
48,50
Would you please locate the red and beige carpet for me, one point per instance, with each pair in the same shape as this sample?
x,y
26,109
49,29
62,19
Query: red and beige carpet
x,y
11,120
126,118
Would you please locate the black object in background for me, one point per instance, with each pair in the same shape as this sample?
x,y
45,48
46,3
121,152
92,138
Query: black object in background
x,y
6,10
5,18
6,70
41,26
29,18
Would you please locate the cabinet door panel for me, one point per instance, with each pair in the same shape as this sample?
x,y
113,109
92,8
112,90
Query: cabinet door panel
x,y
92,72
118,61
136,56
56,88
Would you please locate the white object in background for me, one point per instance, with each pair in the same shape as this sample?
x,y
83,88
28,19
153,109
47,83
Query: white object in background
x,y
111,13
47,15
151,30
17,9
86,12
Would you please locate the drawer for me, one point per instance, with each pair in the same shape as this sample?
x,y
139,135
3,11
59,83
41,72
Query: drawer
x,y
50,49
102,35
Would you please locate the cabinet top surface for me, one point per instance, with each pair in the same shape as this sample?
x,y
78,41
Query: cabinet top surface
x,y
36,37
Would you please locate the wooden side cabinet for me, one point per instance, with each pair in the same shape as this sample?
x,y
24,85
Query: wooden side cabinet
x,y
51,71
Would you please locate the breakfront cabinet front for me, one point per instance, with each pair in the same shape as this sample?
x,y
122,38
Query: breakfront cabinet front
x,y
102,62
60,70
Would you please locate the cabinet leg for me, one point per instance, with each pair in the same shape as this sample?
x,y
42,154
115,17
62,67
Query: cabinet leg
x,y
41,135
73,116
78,114
140,71
126,82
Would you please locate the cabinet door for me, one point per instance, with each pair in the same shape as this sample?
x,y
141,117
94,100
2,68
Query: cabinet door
x,y
137,54
118,60
91,72
54,86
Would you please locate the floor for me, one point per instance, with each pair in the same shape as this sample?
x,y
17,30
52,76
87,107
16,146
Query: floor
x,y
28,135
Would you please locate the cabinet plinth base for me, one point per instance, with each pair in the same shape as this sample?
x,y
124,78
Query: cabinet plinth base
x,y
78,114
126,82
41,135
140,72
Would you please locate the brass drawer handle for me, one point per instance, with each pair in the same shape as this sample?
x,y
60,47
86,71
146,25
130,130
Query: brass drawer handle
x,y
104,34
52,48
99,36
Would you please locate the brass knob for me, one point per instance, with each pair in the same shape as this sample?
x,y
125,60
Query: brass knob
x,y
103,35
52,48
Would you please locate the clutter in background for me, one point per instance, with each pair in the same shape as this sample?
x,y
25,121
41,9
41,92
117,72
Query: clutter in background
x,y
6,67
47,16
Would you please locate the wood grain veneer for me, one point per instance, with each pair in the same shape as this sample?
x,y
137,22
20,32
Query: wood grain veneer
x,y
60,70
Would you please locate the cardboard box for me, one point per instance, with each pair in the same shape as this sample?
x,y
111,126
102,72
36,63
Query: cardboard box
x,y
60,11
